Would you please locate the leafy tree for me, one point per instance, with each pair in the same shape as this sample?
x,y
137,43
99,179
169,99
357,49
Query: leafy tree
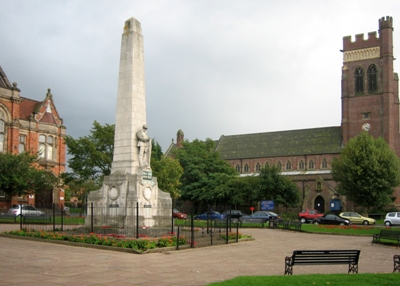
x,y
92,155
274,186
168,172
242,190
205,174
20,174
156,151
367,171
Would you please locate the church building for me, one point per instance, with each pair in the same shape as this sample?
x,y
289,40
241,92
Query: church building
x,y
370,102
35,126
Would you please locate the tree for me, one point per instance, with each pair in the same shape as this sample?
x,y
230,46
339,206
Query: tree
x,y
20,174
205,174
242,190
274,186
168,172
92,155
367,171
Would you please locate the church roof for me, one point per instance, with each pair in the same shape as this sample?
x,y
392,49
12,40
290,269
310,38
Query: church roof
x,y
326,140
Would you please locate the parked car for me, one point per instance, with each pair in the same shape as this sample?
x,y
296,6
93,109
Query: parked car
x,y
234,215
26,211
356,218
331,219
210,215
392,218
259,217
309,215
178,214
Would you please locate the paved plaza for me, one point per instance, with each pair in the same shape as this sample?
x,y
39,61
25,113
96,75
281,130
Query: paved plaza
x,y
25,262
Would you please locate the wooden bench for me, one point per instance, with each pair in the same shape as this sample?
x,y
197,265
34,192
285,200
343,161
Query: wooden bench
x,y
284,223
295,224
322,257
388,235
396,262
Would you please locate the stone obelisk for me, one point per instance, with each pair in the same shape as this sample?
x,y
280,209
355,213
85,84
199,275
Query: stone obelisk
x,y
131,101
131,183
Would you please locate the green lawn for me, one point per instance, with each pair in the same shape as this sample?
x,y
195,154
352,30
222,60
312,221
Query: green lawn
x,y
366,279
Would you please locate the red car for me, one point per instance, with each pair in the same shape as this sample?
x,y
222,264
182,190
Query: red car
x,y
178,214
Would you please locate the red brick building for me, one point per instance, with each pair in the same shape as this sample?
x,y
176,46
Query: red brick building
x,y
31,125
370,102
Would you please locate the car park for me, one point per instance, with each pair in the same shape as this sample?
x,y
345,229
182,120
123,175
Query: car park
x,y
356,218
259,217
24,210
178,214
392,218
331,219
209,215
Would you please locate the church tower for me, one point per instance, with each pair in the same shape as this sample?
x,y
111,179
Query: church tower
x,y
370,99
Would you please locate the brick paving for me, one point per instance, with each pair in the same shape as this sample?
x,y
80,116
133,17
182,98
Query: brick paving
x,y
40,263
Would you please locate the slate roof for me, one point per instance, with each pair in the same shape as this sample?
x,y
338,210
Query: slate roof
x,y
325,140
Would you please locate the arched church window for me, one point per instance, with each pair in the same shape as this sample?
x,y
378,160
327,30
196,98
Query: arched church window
x,y
258,167
238,168
324,164
372,85
311,164
359,79
288,165
279,165
301,165
246,168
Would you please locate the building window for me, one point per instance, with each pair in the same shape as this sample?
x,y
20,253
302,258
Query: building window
x,y
279,165
359,79
311,164
238,168
301,165
288,165
22,144
46,147
365,115
2,134
372,85
324,164
258,167
246,168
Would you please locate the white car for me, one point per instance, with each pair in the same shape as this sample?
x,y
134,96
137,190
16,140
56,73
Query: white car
x,y
392,219
26,211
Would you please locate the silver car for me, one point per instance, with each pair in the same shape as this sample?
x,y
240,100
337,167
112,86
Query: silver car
x,y
26,211
392,218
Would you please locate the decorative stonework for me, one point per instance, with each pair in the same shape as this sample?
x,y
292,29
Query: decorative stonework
x,y
361,54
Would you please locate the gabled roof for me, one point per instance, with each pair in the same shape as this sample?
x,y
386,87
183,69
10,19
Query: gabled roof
x,y
326,140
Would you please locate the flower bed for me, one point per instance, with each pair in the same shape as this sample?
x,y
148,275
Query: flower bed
x,y
113,240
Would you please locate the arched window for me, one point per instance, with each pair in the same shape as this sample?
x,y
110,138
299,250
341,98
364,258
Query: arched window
x,y
258,167
372,85
301,165
311,164
324,164
266,165
2,135
288,165
359,79
246,168
279,165
238,168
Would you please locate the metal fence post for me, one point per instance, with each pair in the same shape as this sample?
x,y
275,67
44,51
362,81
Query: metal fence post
x,y
192,230
172,216
177,238
137,220
62,220
20,218
91,217
227,227
237,232
54,217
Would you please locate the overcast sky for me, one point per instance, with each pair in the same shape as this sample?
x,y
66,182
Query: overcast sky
x,y
212,68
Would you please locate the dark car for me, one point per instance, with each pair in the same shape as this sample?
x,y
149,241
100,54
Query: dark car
x,y
259,217
178,214
234,215
210,215
331,219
